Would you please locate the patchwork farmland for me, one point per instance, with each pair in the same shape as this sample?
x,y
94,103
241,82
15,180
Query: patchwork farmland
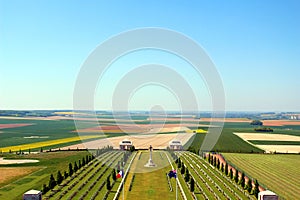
x,y
25,140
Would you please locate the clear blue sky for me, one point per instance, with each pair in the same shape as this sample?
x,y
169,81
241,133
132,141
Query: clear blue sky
x,y
255,46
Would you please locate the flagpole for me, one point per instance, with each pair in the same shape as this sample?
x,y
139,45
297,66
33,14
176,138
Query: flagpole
x,y
123,187
176,186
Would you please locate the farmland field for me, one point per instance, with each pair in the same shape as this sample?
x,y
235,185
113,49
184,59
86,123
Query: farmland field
x,y
34,174
277,172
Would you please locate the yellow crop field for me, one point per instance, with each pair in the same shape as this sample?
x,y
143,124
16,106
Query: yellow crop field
x,y
47,143
196,131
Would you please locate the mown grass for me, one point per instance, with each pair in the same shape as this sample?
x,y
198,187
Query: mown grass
x,y
49,163
277,172
151,183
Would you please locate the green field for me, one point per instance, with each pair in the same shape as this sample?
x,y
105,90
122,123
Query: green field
x,y
44,130
272,142
277,172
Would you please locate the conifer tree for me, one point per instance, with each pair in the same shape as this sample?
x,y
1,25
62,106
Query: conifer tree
x,y
256,189
59,177
70,169
236,176
192,185
52,182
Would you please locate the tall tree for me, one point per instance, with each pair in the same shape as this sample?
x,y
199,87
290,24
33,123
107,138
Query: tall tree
x,y
218,163
83,161
59,177
79,164
75,167
236,176
114,177
108,186
182,169
230,173
45,189
226,169
52,182
187,175
256,189
242,181
179,163
66,175
249,185
70,169
192,185
222,167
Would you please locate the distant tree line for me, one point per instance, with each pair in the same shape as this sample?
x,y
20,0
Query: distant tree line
x,y
256,123
264,129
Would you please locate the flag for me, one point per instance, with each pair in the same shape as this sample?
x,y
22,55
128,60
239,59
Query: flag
x,y
120,174
172,173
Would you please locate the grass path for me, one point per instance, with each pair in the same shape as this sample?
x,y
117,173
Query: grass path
x,y
149,183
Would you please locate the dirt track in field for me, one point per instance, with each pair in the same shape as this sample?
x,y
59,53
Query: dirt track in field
x,y
3,126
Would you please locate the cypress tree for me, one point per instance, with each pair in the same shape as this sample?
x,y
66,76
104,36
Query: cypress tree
x,y
242,181
83,161
192,185
182,169
75,167
249,186
226,169
222,167
218,163
66,175
179,163
187,175
114,174
70,169
215,160
52,182
236,176
230,173
45,189
59,177
79,164
256,189
108,187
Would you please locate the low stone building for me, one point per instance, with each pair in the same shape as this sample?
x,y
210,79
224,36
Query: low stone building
x,y
32,195
125,144
175,145
267,195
